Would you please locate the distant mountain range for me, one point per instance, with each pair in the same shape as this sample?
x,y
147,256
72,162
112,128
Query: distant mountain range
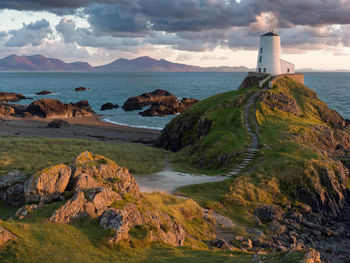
x,y
40,63
147,64
141,64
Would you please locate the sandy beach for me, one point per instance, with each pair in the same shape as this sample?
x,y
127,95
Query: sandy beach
x,y
80,127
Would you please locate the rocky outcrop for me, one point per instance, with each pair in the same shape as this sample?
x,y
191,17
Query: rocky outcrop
x,y
50,108
281,101
252,81
163,227
97,183
43,92
6,110
268,213
58,123
146,99
109,106
6,236
47,185
11,188
97,171
162,103
326,189
11,97
168,108
91,203
81,89
83,105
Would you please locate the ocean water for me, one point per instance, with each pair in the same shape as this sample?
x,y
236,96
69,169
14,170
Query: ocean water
x,y
333,88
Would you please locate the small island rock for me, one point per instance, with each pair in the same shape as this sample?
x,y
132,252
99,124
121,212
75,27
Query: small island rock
x,y
43,92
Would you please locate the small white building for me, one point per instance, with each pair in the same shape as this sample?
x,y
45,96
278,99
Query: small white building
x,y
269,56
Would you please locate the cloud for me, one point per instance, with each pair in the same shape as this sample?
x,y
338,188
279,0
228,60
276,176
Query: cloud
x,y
33,34
86,38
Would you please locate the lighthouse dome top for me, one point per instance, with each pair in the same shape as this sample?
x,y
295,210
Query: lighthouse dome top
x,y
270,34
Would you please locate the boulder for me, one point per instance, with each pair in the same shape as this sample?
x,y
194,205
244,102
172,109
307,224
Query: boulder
x,y
58,123
47,185
25,211
107,106
12,178
163,227
146,99
80,89
6,111
83,105
268,213
11,97
90,203
43,92
50,108
11,188
97,171
282,102
5,236
220,243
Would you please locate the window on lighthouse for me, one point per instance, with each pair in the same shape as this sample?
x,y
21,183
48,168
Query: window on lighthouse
x,y
260,59
261,50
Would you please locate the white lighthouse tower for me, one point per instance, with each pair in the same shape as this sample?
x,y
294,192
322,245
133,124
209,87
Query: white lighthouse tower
x,y
269,56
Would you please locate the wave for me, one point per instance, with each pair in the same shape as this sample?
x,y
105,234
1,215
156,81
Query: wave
x,y
133,126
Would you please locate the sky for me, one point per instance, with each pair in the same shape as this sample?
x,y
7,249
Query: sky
x,y
314,33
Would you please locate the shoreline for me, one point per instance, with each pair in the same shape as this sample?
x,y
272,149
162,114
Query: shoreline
x,y
92,128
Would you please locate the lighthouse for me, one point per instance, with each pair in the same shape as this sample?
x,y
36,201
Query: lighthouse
x,y
269,56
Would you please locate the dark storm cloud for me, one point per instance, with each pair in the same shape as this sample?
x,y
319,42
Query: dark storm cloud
x,y
33,33
114,16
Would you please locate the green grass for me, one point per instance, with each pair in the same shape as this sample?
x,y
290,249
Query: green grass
x,y
85,241
280,167
32,154
228,137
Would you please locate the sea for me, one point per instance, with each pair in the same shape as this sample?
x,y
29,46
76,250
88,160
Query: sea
x,y
333,88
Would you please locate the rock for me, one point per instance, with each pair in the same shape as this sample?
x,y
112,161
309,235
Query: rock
x,y
168,108
47,185
11,187
80,89
268,213
96,170
83,105
6,111
24,211
250,81
327,189
162,103
158,96
312,256
112,218
281,102
58,123
91,203
6,236
50,108
107,106
11,97
43,92
220,243
163,227
11,178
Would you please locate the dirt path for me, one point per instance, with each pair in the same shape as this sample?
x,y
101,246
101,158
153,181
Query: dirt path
x,y
169,180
